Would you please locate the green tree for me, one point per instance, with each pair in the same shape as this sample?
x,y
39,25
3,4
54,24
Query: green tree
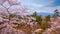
x,y
35,14
39,19
56,13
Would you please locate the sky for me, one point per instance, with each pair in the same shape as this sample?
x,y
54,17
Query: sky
x,y
47,6
44,6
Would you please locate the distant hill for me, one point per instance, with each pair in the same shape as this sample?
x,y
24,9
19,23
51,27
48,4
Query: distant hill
x,y
45,14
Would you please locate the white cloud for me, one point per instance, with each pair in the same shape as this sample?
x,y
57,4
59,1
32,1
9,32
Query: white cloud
x,y
48,9
37,5
41,7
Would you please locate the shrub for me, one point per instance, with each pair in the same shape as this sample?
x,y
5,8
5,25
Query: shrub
x,y
47,18
45,25
39,19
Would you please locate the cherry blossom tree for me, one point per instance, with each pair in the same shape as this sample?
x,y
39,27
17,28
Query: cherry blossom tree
x,y
10,2
7,23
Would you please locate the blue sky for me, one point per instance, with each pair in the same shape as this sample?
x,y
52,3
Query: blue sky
x,y
57,3
47,6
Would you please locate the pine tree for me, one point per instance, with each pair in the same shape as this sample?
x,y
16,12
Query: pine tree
x,y
38,18
35,14
56,13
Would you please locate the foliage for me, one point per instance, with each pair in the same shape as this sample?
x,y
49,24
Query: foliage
x,y
19,17
35,14
45,23
47,18
38,19
56,13
11,15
